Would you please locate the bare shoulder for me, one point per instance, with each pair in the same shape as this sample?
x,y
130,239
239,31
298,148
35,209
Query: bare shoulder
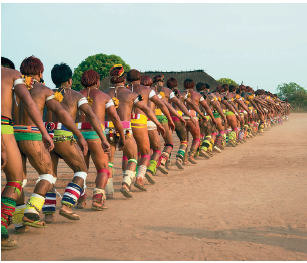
x,y
76,95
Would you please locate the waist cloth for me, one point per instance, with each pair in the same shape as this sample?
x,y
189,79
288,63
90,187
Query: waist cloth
x,y
111,132
27,133
88,135
138,119
174,118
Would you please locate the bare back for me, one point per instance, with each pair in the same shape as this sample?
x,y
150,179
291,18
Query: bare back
x,y
98,106
141,90
69,103
8,76
126,99
39,93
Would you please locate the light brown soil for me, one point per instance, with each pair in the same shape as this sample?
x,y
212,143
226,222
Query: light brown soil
x,y
247,203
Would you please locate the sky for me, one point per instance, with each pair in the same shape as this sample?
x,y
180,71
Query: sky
x,y
263,45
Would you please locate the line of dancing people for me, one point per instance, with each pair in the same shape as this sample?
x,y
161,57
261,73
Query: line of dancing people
x,y
43,124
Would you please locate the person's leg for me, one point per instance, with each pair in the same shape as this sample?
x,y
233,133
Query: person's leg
x,y
14,176
50,198
195,132
142,140
109,187
101,161
130,150
168,147
155,145
73,157
40,159
20,203
181,133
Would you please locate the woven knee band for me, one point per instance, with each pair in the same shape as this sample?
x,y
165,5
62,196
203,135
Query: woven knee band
x,y
72,194
17,185
125,158
169,144
133,160
145,156
104,171
82,175
47,177
18,215
184,143
35,204
128,177
157,151
152,166
196,140
50,203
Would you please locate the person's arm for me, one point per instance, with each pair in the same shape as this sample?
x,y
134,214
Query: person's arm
x,y
183,108
143,107
3,153
22,92
230,107
206,107
174,112
63,116
218,108
194,107
111,111
155,99
93,120
243,106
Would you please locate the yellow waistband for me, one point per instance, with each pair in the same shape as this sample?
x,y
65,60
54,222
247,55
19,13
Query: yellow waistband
x,y
158,112
141,120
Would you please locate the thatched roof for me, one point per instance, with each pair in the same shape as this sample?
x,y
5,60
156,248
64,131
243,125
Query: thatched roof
x,y
196,75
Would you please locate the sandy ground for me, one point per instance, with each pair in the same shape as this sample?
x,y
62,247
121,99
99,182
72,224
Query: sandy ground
x,y
247,203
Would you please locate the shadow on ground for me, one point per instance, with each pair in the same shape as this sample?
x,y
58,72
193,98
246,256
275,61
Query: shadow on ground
x,y
272,236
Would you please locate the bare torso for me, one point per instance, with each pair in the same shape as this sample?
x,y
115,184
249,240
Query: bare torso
x,y
8,76
126,98
98,106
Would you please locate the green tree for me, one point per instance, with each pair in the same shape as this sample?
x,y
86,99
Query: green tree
x,y
102,63
228,81
296,95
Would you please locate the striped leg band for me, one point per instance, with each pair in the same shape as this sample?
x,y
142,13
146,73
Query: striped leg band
x,y
71,195
50,203
7,209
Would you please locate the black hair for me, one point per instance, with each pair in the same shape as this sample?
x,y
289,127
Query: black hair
x,y
60,73
5,62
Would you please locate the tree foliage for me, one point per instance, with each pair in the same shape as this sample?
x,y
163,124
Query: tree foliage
x,y
101,63
228,81
296,95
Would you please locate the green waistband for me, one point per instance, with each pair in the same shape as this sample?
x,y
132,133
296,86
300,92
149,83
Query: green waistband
x,y
7,129
61,133
90,135
27,136
162,118
216,114
228,113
